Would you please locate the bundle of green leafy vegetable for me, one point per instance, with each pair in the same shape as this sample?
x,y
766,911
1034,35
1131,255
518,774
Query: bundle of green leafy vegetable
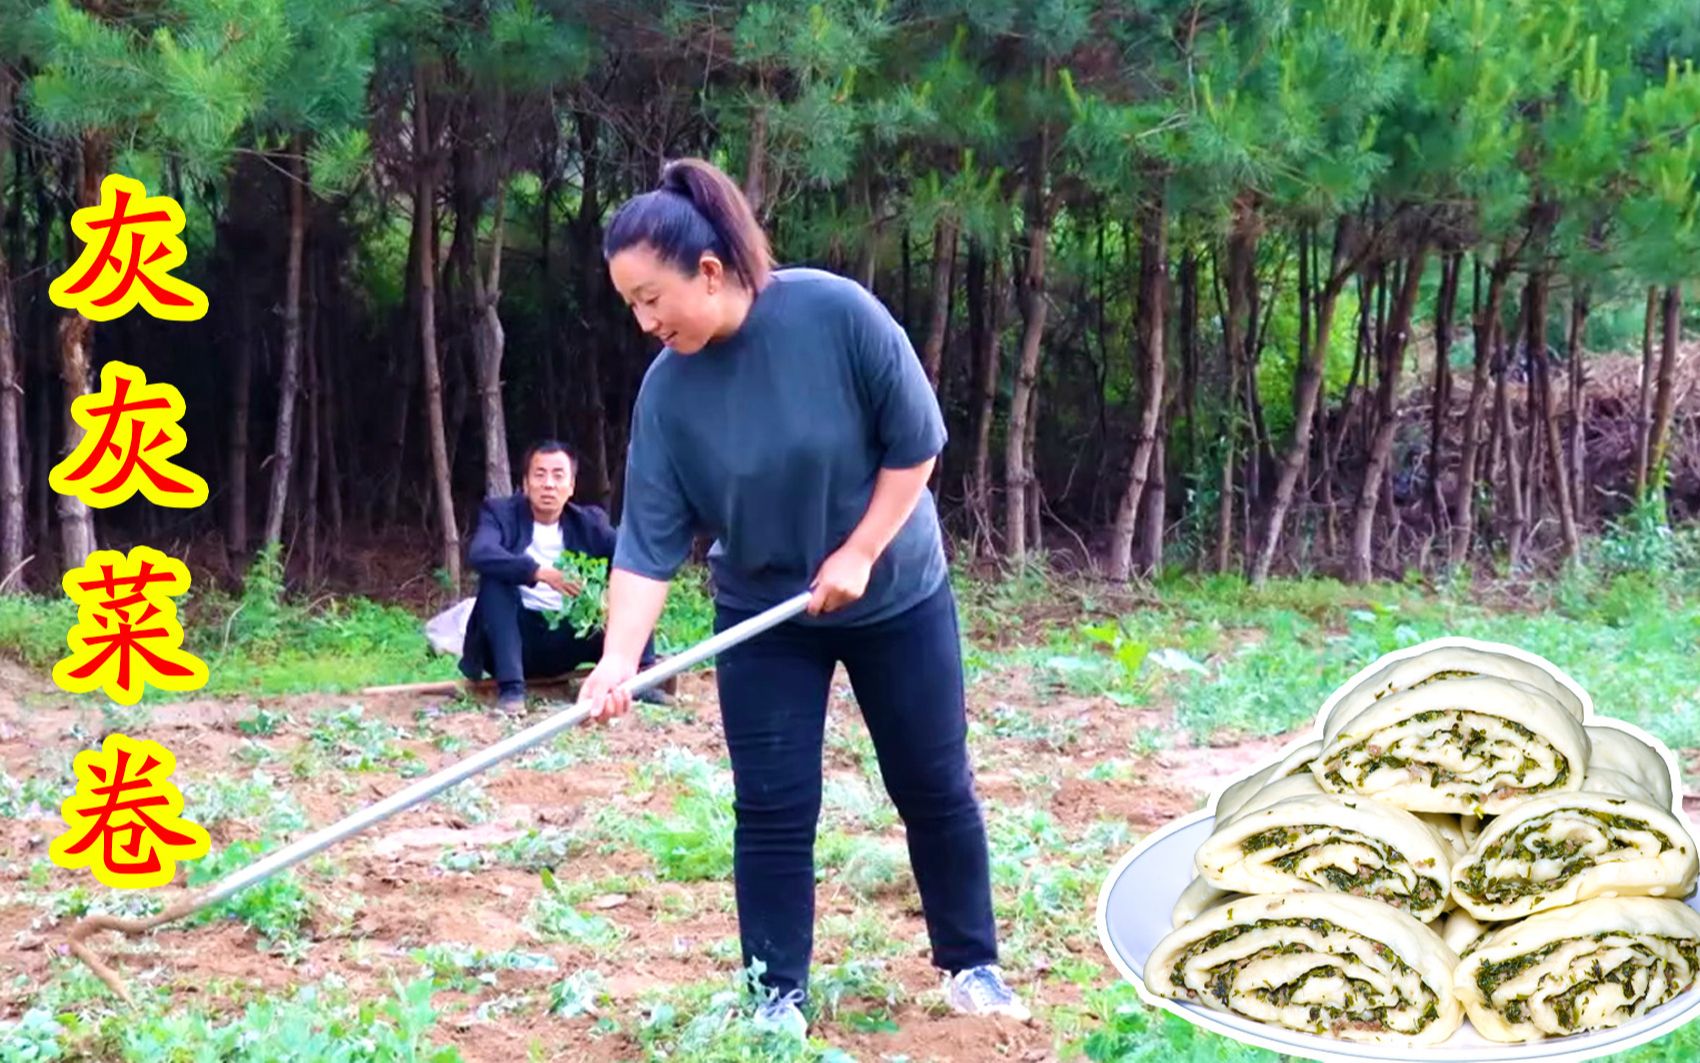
x,y
584,610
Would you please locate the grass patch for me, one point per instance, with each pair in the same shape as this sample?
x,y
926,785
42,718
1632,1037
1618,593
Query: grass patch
x,y
850,802
318,1022
275,907
34,797
556,917
469,969
709,1022
1117,1027
538,849
267,641
688,616
351,740
1267,658
694,842
33,628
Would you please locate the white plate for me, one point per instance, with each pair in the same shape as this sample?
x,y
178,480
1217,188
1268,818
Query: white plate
x,y
1134,909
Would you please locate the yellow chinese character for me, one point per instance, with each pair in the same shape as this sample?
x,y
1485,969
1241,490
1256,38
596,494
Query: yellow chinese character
x,y
124,801
126,632
129,430
129,253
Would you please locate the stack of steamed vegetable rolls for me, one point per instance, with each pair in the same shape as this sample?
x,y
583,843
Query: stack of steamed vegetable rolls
x,y
1461,841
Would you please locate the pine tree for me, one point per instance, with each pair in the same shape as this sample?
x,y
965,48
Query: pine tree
x,y
130,84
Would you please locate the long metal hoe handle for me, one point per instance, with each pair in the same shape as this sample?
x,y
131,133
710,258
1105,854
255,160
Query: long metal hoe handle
x,y
425,788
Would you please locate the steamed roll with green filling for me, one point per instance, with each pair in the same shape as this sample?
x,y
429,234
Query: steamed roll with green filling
x,y
1230,799
1610,749
1326,964
1298,761
1461,932
1280,790
1607,781
1471,827
1588,966
1198,897
1449,662
1451,830
1322,843
1552,851
1469,746
1294,762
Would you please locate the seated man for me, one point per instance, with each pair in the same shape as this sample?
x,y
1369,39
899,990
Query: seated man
x,y
518,540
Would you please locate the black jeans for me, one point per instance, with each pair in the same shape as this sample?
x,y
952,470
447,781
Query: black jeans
x,y
906,672
522,646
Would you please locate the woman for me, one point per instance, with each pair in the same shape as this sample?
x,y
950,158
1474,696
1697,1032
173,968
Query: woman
x,y
788,416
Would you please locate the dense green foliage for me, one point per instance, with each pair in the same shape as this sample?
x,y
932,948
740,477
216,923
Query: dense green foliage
x,y
1276,166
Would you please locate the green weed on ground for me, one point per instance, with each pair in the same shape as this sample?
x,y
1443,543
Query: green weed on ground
x,y
1626,639
1115,1026
1237,661
1227,659
316,1022
267,640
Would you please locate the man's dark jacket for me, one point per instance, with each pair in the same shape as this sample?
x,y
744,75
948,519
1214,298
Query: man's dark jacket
x,y
497,551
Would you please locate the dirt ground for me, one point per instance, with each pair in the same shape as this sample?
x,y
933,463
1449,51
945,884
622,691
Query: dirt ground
x,y
388,895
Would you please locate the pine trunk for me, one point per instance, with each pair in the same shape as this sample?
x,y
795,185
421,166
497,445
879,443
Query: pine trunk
x,y
404,369
1324,450
1665,402
985,408
1534,415
1153,296
1035,490
1578,409
1149,558
1391,362
283,450
1189,351
311,402
1017,476
1486,330
1260,453
1240,279
1306,302
41,327
1388,278
907,268
242,387
1360,354
1552,444
333,475
12,513
76,334
604,482
488,340
587,275
1394,521
1445,306
424,214
1330,518
551,307
866,268
1505,442
1313,362
938,321
755,179
1644,405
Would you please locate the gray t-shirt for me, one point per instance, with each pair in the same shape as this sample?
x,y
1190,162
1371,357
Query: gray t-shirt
x,y
771,441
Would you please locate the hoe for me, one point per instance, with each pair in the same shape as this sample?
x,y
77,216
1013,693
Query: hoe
x,y
425,788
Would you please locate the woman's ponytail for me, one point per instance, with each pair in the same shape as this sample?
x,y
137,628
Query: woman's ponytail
x,y
696,208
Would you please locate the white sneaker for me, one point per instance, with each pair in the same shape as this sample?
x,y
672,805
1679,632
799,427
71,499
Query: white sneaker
x,y
982,991
783,1014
